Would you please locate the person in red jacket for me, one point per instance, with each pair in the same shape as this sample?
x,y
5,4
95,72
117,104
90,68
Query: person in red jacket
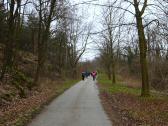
x,y
94,74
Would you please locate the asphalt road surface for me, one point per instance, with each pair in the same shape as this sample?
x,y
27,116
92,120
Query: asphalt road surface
x,y
78,106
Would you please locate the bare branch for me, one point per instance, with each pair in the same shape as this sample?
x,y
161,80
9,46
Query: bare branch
x,y
143,8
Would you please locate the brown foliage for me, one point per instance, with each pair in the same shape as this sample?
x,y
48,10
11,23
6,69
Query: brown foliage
x,y
128,110
10,113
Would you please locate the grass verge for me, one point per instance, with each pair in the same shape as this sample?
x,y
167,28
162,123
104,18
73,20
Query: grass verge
x,y
125,106
106,85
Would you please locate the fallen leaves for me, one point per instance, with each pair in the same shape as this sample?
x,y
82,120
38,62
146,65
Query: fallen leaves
x,y
130,110
20,110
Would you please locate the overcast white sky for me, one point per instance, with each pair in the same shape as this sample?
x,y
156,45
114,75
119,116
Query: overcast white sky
x,y
91,14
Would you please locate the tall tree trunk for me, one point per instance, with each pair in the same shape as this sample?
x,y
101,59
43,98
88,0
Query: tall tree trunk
x,y
36,77
113,72
74,72
8,52
42,52
43,43
143,56
109,73
142,47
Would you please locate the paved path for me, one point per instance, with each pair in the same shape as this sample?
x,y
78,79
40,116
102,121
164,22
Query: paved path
x,y
78,106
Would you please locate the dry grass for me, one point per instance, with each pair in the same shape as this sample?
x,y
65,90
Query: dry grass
x,y
125,107
130,80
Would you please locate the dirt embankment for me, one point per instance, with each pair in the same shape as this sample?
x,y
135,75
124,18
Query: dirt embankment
x,y
17,102
20,111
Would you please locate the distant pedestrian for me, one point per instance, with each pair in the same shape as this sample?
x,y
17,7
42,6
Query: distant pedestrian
x,y
94,74
83,75
87,74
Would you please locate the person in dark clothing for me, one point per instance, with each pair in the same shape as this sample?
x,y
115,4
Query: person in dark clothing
x,y
87,74
83,75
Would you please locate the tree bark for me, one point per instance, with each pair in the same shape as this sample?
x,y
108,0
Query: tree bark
x,y
109,73
8,51
143,51
43,43
113,73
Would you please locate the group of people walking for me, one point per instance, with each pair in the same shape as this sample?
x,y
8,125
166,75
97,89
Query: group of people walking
x,y
86,74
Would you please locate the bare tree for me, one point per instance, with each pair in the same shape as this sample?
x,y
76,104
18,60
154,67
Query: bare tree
x,y
111,41
142,46
12,22
45,10
78,35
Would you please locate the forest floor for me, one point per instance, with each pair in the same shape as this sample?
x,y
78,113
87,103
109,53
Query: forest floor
x,y
16,110
125,107
19,111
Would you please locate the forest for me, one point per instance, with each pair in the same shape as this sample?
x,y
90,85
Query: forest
x,y
43,42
